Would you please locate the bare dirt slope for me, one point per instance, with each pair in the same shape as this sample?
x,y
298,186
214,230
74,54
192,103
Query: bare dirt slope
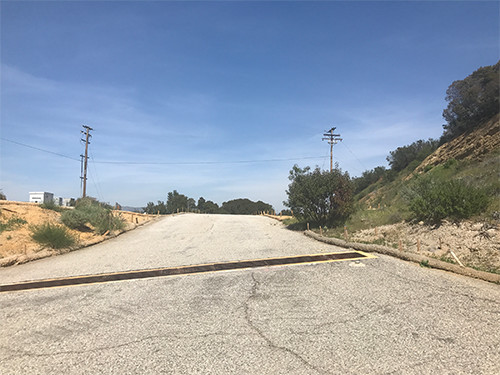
x,y
470,146
476,245
476,242
16,244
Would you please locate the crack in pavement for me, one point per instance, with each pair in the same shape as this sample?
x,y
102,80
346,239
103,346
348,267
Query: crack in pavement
x,y
261,334
384,309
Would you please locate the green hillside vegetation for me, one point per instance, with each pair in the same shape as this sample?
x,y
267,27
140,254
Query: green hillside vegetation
x,y
418,188
388,202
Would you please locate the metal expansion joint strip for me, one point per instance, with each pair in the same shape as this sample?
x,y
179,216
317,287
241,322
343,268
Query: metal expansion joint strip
x,y
184,270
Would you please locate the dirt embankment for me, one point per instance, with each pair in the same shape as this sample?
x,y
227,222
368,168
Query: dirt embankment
x,y
476,245
16,244
469,146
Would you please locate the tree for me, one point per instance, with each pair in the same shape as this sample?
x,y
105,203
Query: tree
x,y
2,196
210,207
244,206
201,204
321,197
401,157
191,204
207,207
158,208
471,101
161,208
150,208
176,201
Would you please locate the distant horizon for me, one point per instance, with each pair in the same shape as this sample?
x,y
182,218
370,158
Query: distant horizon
x,y
220,99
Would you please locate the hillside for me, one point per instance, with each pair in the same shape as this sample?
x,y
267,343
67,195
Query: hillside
x,y
472,157
382,215
17,219
476,145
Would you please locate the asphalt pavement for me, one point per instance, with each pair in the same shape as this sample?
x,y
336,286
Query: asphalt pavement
x,y
367,316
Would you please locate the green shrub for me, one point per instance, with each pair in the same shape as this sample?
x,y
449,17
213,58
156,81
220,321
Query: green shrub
x,y
90,202
74,219
432,200
54,236
50,205
89,211
104,221
450,163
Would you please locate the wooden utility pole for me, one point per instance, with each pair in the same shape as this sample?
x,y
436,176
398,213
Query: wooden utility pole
x,y
87,137
332,140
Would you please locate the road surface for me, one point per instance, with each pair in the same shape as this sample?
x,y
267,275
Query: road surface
x,y
370,316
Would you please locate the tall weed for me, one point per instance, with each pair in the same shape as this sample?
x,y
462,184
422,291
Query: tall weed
x,y
54,236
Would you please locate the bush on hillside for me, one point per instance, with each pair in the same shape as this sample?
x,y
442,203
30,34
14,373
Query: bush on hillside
x,y
432,200
54,236
50,205
90,211
75,219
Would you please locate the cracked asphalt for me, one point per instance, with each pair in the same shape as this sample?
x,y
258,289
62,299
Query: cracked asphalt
x,y
373,316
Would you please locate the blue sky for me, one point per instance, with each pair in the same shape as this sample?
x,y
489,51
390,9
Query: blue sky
x,y
225,97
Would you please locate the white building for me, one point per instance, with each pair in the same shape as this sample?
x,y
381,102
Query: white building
x,y
41,197
66,202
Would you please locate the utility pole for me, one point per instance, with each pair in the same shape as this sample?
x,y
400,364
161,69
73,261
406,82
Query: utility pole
x,y
332,140
85,158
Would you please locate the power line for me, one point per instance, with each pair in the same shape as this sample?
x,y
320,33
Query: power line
x,y
208,162
96,179
39,149
348,149
169,163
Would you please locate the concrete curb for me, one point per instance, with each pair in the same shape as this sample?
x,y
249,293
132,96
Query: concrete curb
x,y
411,257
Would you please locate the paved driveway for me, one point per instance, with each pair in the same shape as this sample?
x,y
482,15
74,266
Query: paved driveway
x,y
372,316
